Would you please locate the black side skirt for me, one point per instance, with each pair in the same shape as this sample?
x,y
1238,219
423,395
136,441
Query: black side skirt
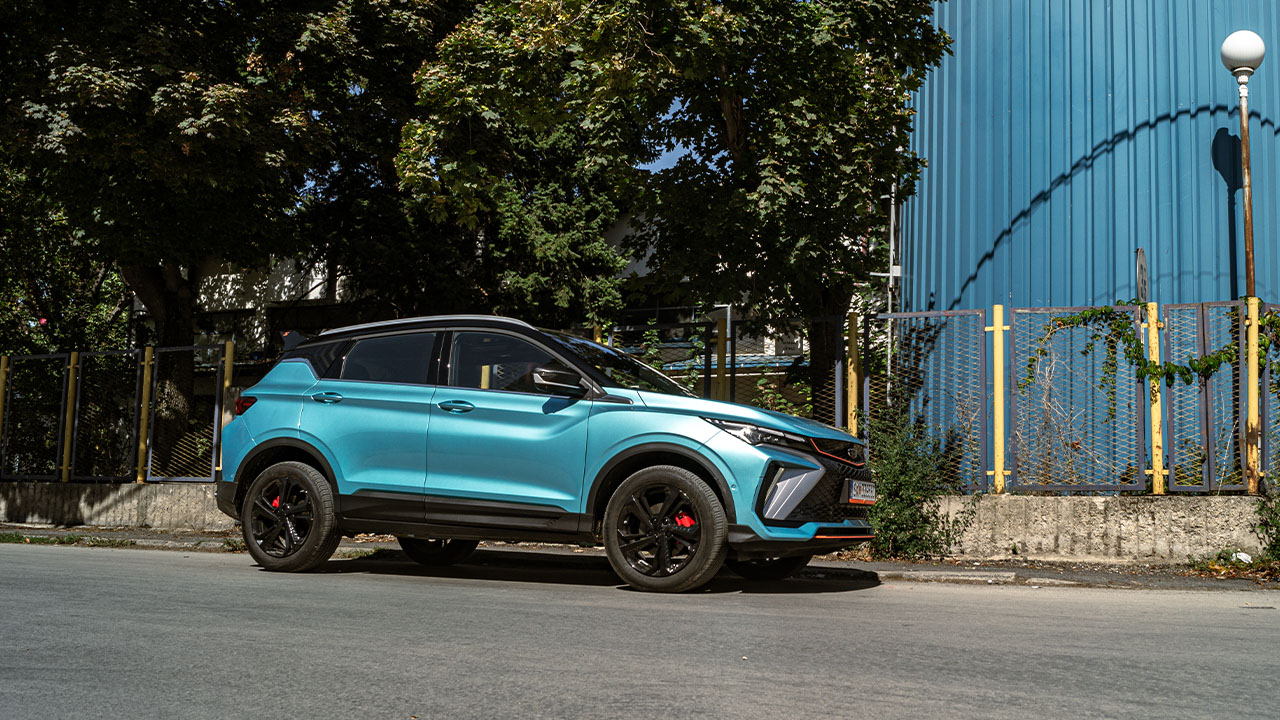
x,y
441,517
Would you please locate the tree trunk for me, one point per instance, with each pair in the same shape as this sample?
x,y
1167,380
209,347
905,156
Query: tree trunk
x,y
826,349
169,293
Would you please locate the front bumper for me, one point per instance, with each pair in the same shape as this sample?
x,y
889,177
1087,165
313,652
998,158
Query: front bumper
x,y
746,544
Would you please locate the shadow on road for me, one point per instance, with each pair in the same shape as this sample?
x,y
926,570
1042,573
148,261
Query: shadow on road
x,y
566,569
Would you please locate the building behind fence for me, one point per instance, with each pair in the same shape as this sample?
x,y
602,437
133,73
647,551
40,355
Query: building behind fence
x,y
1028,400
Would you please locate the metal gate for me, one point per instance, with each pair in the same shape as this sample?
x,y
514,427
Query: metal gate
x,y
1077,409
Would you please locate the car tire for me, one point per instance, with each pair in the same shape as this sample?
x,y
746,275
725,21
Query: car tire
x,y
435,553
769,568
664,530
287,518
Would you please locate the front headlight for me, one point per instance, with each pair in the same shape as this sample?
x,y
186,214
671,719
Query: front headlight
x,y
758,435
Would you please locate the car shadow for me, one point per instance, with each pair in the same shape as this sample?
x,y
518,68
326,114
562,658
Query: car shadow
x,y
591,570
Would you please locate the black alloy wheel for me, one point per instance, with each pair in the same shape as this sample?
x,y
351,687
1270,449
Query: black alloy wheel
x,y
287,519
665,530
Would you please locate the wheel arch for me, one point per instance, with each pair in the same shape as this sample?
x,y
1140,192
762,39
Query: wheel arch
x,y
280,450
622,465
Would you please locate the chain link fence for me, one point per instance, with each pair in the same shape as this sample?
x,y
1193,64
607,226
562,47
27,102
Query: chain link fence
x,y
105,431
30,447
1204,420
78,416
935,375
1077,408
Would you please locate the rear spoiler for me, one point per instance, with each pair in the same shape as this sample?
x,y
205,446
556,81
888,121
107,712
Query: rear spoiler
x,y
292,339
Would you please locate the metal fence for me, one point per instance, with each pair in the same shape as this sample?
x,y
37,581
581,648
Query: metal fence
x,y
1077,412
1063,406
114,416
935,373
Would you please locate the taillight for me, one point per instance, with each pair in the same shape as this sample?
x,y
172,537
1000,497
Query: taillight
x,y
244,402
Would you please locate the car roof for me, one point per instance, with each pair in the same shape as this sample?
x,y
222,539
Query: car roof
x,y
429,321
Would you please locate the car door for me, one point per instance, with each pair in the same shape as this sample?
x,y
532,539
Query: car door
x,y
498,444
372,418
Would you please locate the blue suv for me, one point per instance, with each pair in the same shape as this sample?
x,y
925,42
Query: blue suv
x,y
444,431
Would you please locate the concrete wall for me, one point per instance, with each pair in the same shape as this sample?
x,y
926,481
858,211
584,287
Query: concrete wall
x,y
1121,528
188,506
1128,529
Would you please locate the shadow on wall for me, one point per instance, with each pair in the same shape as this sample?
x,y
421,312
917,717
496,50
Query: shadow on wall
x,y
1226,160
39,502
1221,149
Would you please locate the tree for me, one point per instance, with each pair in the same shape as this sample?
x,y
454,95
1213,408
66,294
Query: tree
x,y
791,120
55,296
524,176
183,135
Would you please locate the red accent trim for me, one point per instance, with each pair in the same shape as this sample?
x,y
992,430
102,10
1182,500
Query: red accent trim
x,y
837,458
861,502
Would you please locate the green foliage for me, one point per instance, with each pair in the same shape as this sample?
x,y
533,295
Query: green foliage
x,y
55,295
770,395
511,160
1114,330
911,481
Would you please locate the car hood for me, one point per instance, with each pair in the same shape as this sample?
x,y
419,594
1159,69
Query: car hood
x,y
736,412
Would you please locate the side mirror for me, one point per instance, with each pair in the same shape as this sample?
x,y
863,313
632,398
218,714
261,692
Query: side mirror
x,y
556,379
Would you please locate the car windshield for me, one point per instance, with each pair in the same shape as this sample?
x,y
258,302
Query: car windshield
x,y
622,369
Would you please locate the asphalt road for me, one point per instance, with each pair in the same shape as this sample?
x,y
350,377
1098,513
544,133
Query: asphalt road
x,y
93,632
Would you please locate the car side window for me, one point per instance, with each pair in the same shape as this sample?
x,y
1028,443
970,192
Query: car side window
x,y
495,361
402,358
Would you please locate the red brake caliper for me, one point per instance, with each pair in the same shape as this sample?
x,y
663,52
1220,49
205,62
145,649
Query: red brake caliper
x,y
276,503
685,520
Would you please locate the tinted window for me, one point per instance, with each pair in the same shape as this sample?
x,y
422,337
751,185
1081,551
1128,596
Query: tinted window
x,y
321,356
391,358
621,369
494,361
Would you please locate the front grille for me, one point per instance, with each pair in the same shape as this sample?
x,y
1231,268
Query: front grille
x,y
828,500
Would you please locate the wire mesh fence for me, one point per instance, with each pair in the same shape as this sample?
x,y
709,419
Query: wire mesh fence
x,y
772,368
185,428
934,375
30,448
1077,409
1204,419
88,430
105,430
682,351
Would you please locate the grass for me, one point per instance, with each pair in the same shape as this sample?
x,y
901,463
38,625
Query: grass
x,y
20,539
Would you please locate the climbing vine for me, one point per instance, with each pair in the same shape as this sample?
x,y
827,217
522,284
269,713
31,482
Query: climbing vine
x,y
1113,330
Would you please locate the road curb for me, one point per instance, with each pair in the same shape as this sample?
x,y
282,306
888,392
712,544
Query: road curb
x,y
975,576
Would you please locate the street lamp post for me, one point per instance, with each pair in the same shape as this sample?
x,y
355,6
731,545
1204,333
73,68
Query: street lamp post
x,y
1242,53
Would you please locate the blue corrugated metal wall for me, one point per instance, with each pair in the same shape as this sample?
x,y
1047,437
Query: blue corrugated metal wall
x,y
1063,135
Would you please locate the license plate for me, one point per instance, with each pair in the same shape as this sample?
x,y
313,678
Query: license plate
x,y
862,492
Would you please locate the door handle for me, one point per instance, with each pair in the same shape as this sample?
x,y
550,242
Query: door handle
x,y
457,406
327,397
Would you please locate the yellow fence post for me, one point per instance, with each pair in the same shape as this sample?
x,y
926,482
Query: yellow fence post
x,y
853,377
1253,425
1158,472
68,422
997,330
597,334
144,415
4,385
228,403
720,389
